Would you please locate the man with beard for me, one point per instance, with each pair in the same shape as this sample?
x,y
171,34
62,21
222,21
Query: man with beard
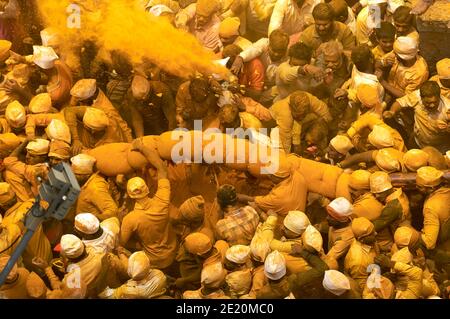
x,y
325,29
272,52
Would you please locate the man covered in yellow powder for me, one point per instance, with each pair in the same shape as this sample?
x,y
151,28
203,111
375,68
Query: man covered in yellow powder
x,y
148,225
95,196
145,282
14,119
408,69
195,100
443,76
229,33
22,176
291,112
289,192
202,21
152,107
101,122
9,234
436,210
15,211
340,234
395,212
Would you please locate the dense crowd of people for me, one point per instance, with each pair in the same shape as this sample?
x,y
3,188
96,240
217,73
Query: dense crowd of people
x,y
358,207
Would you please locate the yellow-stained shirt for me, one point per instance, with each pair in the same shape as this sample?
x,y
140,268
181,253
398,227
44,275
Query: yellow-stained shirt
x,y
95,198
151,226
436,211
290,130
358,258
408,79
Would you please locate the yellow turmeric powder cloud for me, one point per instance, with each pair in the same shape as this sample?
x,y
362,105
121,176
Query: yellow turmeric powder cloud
x,y
125,26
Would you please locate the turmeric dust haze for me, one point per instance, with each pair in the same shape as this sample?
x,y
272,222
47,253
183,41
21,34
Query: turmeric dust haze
x,y
124,26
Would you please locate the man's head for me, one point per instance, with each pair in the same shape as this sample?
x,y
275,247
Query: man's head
x,y
7,196
339,147
37,151
295,223
204,11
443,72
198,244
137,188
323,15
278,44
82,167
340,10
385,35
299,105
16,115
339,212
95,121
363,230
229,30
406,50
86,224
359,183
299,54
192,211
226,196
84,91
199,89
380,185
332,52
71,246
363,59
428,179
406,236
59,152
430,94
140,87
237,256
229,117
231,51
403,20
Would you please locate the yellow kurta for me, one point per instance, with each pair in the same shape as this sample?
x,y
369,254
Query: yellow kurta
x,y
39,245
358,258
408,79
288,195
95,198
22,177
339,241
290,130
410,277
364,125
436,210
150,225
92,270
367,206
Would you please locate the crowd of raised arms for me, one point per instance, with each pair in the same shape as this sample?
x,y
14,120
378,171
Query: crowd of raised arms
x,y
359,206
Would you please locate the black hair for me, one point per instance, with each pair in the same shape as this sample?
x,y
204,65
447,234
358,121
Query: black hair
x,y
300,51
386,31
362,56
403,15
430,88
323,11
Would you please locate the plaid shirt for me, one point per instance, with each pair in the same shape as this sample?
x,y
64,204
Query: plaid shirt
x,y
238,227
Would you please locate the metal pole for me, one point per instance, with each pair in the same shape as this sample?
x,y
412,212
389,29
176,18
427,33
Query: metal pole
x,y
15,255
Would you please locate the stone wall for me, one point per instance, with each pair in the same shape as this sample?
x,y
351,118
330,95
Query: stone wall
x,y
434,29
